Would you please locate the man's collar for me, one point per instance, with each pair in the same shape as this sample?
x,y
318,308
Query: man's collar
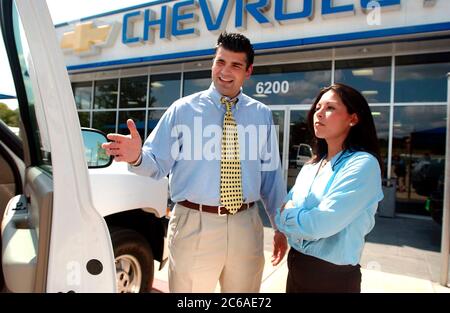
x,y
215,96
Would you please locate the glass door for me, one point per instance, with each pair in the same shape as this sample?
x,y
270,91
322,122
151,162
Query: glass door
x,y
299,145
279,119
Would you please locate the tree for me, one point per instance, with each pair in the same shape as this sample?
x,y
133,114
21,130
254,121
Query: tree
x,y
10,117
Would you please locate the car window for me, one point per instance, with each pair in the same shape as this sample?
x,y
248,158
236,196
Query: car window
x,y
304,150
9,109
24,105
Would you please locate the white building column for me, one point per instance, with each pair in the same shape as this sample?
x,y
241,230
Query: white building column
x,y
445,242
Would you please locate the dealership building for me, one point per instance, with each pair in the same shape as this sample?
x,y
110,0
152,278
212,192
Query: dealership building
x,y
135,62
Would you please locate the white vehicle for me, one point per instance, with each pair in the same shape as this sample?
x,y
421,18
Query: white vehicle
x,y
304,154
66,228
134,208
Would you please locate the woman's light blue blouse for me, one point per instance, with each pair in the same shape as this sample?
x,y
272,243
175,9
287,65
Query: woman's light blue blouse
x,y
335,209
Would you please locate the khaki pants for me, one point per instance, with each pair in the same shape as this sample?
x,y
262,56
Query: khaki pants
x,y
205,248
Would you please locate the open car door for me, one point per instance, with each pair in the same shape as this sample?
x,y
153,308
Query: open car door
x,y
53,239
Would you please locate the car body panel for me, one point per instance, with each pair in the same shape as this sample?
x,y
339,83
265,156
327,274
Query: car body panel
x,y
78,235
131,191
304,154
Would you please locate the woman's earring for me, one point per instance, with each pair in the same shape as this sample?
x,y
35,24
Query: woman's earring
x,y
351,124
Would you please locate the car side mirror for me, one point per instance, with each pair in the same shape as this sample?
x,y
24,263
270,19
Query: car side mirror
x,y
96,156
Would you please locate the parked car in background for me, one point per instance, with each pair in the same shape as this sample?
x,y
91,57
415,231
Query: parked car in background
x,y
304,154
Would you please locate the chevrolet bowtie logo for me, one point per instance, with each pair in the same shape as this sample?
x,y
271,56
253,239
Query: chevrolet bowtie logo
x,y
87,38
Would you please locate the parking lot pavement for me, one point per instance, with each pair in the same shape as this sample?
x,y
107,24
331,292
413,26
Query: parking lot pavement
x,y
374,281
386,267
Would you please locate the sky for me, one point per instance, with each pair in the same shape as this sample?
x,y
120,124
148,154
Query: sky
x,y
62,11
69,10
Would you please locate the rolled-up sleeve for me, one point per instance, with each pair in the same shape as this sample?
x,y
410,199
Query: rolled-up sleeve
x,y
272,193
272,189
161,148
357,187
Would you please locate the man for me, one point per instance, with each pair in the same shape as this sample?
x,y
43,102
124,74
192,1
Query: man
x,y
215,232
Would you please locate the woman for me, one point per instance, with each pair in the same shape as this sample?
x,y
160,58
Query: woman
x,y
333,202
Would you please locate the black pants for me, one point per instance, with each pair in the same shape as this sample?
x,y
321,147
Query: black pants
x,y
310,274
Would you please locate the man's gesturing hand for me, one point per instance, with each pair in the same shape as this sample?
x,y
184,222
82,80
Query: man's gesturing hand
x,y
124,148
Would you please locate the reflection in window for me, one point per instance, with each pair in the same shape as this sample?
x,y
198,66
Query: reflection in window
x,y
196,81
288,84
84,119
105,94
299,138
418,153
139,119
133,92
164,89
104,121
153,119
83,95
422,78
278,121
381,118
372,77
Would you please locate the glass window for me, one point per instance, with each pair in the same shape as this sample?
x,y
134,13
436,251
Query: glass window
x,y
104,121
300,140
372,77
84,119
418,154
9,111
381,118
105,96
278,121
83,95
422,78
39,141
133,92
153,119
196,81
9,116
139,119
164,89
288,84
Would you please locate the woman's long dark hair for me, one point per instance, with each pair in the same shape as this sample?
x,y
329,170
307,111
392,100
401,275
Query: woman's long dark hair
x,y
362,136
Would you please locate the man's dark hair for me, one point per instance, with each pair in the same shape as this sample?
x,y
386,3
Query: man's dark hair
x,y
237,43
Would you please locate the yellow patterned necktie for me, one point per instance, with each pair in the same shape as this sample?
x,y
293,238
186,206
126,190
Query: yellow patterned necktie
x,y
230,165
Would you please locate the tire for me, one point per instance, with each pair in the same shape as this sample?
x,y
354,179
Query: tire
x,y
134,261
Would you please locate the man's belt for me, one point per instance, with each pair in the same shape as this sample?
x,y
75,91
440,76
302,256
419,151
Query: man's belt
x,y
220,210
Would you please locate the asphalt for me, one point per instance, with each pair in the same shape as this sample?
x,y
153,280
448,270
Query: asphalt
x,y
401,255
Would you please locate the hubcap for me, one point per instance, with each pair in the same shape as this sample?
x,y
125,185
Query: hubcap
x,y
128,274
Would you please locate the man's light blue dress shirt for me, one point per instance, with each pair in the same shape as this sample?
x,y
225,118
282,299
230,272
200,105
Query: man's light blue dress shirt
x,y
334,209
186,144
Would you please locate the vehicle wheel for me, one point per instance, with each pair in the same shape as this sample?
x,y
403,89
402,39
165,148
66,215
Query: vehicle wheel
x,y
134,261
